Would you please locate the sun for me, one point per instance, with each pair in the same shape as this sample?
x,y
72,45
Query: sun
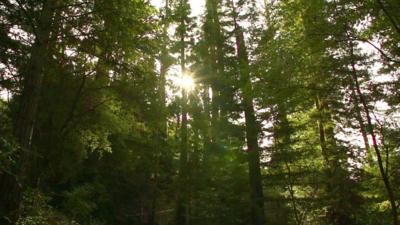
x,y
186,82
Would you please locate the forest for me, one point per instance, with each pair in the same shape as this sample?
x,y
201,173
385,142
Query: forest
x,y
199,112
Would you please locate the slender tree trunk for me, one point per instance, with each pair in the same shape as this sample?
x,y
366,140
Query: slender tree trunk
x,y
384,175
252,130
164,60
182,204
214,97
359,117
253,151
292,196
162,126
322,138
183,201
207,131
213,38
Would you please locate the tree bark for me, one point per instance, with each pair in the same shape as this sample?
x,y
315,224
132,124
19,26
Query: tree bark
x,y
164,60
370,128
213,37
252,129
162,126
359,118
11,186
182,217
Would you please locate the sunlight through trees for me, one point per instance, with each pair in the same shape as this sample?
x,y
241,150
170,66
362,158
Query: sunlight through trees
x,y
199,112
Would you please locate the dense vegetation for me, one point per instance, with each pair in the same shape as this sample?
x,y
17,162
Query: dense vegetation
x,y
293,117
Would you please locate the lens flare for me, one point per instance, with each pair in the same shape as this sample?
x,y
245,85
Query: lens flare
x,y
186,82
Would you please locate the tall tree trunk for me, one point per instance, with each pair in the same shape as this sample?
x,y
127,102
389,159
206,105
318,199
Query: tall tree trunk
x,y
11,188
370,127
165,64
213,37
182,202
182,217
252,129
207,131
32,85
162,126
359,118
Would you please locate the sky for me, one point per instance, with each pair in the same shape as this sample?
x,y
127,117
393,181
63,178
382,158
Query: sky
x,y
196,5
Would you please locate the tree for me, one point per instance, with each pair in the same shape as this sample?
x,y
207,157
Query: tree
x,y
252,129
292,117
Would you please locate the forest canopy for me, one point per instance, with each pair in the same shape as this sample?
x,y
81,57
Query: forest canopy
x,y
238,112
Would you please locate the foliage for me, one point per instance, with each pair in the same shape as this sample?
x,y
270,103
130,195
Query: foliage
x,y
93,129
